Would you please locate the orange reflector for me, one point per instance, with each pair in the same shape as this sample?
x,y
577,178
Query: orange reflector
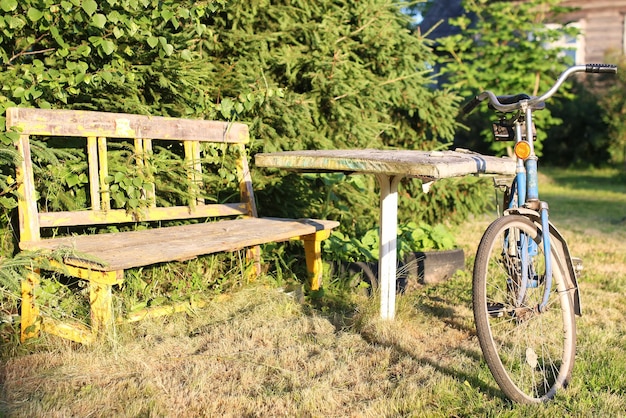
x,y
522,150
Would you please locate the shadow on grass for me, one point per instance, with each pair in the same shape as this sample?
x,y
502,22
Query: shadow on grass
x,y
436,303
456,373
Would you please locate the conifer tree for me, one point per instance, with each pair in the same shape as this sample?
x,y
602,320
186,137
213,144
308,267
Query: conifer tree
x,y
323,74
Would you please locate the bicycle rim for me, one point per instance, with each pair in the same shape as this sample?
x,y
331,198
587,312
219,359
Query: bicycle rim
x,y
529,353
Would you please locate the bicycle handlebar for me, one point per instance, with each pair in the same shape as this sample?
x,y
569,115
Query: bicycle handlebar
x,y
513,103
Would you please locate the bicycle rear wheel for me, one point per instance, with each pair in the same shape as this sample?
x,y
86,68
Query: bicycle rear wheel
x,y
529,351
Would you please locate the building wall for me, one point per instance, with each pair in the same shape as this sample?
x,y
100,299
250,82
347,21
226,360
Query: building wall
x,y
602,22
603,26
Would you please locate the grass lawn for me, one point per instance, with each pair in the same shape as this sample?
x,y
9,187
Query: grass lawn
x,y
261,350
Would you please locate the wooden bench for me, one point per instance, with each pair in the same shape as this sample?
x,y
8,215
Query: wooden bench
x,y
102,258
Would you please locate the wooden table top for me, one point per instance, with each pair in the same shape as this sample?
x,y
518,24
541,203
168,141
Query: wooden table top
x,y
427,165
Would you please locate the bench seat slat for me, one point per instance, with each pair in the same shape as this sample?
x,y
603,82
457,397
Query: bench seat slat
x,y
123,250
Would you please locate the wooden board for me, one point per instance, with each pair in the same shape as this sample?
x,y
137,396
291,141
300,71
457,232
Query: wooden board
x,y
123,250
83,123
120,216
427,165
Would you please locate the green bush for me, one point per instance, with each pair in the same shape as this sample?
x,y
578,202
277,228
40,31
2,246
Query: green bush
x,y
503,47
302,74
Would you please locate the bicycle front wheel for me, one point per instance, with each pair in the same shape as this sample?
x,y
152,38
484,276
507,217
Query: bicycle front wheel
x,y
530,351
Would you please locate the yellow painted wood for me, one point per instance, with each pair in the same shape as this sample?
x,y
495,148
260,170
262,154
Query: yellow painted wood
x,y
151,189
94,182
253,256
159,311
197,168
103,172
27,196
30,321
245,181
194,171
100,301
140,160
82,268
313,254
72,331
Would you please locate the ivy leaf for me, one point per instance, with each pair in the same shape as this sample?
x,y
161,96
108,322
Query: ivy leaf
x,y
72,180
66,5
169,49
108,46
8,5
153,41
84,50
106,76
34,14
57,37
226,107
186,55
8,203
119,177
99,20
90,7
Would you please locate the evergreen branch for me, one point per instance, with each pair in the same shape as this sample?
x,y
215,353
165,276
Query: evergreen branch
x,y
395,80
384,83
359,29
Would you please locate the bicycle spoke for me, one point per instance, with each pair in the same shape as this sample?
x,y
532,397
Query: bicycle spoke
x,y
528,351
523,310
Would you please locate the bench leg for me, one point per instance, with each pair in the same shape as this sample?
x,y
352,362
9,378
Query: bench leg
x,y
313,253
253,254
30,321
100,301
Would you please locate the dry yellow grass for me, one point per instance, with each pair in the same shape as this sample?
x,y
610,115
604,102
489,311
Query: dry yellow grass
x,y
254,353
257,351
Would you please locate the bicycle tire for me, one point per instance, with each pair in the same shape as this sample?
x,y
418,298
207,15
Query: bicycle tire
x,y
528,357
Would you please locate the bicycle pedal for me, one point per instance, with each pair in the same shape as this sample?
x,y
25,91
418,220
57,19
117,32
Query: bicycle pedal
x,y
495,310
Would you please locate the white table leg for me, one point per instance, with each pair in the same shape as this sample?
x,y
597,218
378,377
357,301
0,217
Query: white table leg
x,y
388,239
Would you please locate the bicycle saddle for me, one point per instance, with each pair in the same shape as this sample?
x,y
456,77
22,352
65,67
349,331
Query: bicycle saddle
x,y
512,99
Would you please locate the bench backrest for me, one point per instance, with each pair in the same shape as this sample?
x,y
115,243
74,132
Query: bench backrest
x,y
100,130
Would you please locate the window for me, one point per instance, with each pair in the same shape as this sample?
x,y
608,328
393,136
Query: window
x,y
574,46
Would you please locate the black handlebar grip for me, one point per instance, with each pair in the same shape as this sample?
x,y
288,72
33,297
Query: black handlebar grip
x,y
470,106
601,68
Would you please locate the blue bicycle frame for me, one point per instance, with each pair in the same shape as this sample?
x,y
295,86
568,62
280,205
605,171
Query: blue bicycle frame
x,y
525,189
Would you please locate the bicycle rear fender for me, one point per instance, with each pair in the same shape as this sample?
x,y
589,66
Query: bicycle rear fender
x,y
564,257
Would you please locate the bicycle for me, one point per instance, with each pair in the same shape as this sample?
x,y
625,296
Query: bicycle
x,y
525,292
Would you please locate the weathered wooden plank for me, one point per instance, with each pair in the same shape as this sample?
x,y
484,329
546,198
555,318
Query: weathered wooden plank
x,y
245,182
151,188
123,250
428,165
103,172
94,178
27,200
82,123
115,216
